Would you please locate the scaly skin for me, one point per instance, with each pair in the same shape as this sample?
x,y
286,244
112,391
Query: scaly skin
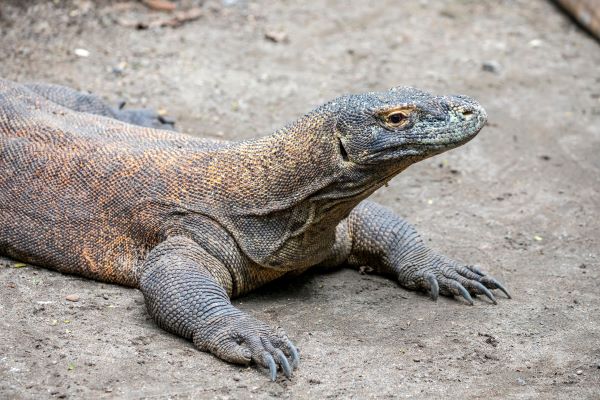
x,y
585,12
193,222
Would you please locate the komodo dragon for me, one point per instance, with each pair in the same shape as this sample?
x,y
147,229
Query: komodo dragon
x,y
194,222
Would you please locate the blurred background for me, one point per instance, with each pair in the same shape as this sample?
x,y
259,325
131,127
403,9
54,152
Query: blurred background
x,y
522,199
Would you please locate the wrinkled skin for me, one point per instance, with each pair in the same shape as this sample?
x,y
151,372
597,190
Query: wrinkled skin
x,y
194,222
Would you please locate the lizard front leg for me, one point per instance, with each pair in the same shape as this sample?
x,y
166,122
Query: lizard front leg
x,y
373,235
184,289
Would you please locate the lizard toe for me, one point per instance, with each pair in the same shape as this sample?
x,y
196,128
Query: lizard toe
x,y
494,284
228,348
283,343
236,353
474,273
427,283
278,356
265,354
450,287
267,361
441,275
433,286
241,339
472,285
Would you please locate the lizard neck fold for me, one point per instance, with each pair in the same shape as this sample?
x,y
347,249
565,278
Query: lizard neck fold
x,y
285,194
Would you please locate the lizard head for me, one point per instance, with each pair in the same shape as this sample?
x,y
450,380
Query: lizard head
x,y
403,125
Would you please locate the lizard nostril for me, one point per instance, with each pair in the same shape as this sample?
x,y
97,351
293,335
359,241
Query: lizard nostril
x,y
467,114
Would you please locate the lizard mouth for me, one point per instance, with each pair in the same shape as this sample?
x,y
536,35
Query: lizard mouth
x,y
411,150
431,143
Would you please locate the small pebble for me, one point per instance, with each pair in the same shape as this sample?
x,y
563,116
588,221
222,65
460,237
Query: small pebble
x,y
72,297
535,43
491,66
579,372
276,36
81,53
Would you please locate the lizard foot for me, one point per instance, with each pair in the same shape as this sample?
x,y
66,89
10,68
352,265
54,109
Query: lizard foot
x,y
440,275
241,339
144,117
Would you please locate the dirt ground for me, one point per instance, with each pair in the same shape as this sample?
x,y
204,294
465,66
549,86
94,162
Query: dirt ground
x,y
522,199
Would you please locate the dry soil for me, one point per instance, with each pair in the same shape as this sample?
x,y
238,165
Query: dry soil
x,y
522,199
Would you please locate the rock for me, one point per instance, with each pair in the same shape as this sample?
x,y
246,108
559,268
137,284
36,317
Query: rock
x,y
276,36
535,43
81,52
38,309
72,297
491,66
521,381
160,5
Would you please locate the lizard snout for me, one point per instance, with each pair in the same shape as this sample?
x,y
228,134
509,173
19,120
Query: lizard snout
x,y
467,108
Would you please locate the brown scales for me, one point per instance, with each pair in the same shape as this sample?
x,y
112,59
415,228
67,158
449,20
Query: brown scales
x,y
192,222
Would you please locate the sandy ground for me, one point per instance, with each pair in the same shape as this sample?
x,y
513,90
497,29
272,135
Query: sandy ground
x,y
522,199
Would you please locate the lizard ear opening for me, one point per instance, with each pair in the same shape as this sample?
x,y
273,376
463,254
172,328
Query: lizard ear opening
x,y
343,151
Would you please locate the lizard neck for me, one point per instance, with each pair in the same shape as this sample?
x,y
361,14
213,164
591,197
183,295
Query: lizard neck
x,y
298,160
286,193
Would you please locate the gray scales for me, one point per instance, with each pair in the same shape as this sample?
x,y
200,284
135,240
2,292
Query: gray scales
x,y
98,191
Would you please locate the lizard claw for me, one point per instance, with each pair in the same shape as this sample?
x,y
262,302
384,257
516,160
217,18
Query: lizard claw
x,y
485,291
496,285
488,281
293,352
271,356
457,287
434,287
268,360
285,365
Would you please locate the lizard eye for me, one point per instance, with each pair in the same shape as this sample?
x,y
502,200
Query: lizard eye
x,y
395,119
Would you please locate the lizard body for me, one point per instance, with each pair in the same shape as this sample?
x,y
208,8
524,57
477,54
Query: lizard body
x,y
585,12
193,222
